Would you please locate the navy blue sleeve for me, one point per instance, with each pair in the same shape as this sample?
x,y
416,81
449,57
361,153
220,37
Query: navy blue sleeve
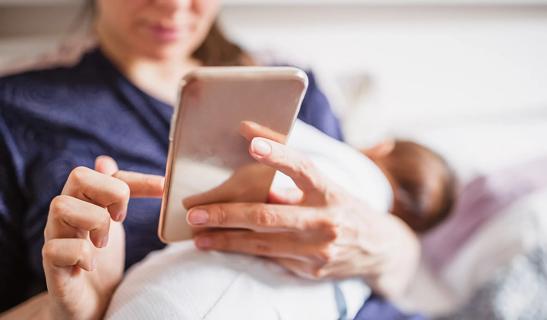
x,y
13,261
379,308
316,111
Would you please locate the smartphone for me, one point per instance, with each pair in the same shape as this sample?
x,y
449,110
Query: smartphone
x,y
208,159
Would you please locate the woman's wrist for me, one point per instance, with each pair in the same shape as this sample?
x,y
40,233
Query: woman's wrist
x,y
398,248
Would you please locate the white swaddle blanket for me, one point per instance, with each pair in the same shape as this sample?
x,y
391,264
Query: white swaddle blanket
x,y
180,282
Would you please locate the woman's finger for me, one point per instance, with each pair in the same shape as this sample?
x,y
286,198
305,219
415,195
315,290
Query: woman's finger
x,y
141,185
62,253
301,170
250,129
301,268
69,216
254,216
100,189
280,245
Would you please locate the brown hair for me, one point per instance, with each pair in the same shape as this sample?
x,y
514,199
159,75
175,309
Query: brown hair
x,y
218,50
215,50
424,184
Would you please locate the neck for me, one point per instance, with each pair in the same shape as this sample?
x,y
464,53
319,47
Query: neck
x,y
159,77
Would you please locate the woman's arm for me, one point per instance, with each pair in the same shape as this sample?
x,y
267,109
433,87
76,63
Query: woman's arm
x,y
34,308
324,233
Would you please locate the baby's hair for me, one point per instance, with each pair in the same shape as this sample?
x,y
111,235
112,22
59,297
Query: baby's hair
x,y
425,184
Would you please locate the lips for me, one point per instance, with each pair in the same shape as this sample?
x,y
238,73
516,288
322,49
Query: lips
x,y
164,33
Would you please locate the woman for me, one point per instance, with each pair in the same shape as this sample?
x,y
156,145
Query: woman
x,y
60,222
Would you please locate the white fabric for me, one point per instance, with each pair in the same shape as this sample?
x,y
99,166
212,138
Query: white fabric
x,y
180,282
520,228
342,164
517,230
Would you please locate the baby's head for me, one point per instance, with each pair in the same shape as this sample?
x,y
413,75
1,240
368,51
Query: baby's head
x,y
423,183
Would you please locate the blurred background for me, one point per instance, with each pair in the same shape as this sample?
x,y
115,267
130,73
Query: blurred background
x,y
468,78
403,67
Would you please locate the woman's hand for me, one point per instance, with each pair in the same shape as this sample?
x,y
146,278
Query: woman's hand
x,y
319,232
84,249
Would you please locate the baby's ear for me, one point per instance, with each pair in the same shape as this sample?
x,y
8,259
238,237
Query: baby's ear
x,y
380,150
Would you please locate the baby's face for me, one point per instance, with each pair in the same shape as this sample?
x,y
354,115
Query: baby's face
x,y
422,182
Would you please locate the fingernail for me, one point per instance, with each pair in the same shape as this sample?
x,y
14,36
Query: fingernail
x,y
204,242
198,216
261,147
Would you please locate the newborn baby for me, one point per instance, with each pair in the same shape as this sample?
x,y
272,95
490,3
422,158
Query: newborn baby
x,y
181,282
423,185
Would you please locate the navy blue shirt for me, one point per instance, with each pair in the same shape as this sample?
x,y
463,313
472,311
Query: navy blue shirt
x,y
54,120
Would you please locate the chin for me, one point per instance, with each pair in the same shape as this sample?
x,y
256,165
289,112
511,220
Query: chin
x,y
167,52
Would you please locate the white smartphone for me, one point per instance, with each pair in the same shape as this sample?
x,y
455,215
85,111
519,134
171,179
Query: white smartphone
x,y
208,159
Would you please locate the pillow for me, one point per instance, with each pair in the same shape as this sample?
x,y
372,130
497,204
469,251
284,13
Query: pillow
x,y
519,229
515,231
481,201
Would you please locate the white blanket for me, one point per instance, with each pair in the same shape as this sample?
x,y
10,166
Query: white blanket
x,y
181,282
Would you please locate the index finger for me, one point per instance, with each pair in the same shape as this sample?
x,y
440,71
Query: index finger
x,y
142,185
250,129
299,168
258,217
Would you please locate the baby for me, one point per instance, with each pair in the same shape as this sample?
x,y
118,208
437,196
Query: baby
x,y
423,184
181,282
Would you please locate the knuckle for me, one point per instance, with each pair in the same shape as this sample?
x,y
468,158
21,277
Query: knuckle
x,y
59,206
327,229
78,174
122,191
48,251
304,168
264,217
318,273
103,221
219,216
84,249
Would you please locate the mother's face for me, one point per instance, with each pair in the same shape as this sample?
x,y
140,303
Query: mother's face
x,y
156,28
